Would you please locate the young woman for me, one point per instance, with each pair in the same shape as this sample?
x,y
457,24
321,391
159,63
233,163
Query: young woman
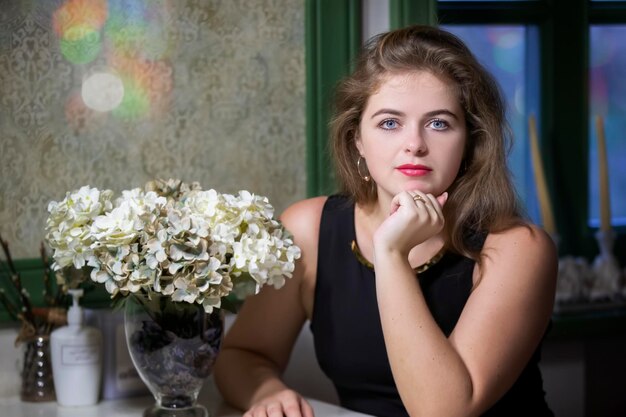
x,y
428,293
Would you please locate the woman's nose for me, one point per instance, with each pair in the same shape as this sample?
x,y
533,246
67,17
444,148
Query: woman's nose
x,y
415,144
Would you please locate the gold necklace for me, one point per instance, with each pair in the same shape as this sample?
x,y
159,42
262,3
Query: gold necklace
x,y
420,269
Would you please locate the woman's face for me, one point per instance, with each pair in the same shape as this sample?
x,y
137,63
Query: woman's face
x,y
412,134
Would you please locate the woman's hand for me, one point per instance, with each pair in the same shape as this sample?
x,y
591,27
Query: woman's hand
x,y
414,218
285,403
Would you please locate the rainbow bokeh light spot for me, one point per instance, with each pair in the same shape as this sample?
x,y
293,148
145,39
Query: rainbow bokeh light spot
x,y
77,23
81,44
136,102
128,36
92,13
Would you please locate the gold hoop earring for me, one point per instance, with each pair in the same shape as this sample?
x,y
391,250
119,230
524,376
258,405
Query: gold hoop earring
x,y
365,177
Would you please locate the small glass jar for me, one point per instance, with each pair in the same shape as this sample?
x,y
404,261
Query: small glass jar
x,y
37,381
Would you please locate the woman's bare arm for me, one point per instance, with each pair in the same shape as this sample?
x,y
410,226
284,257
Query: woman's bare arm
x,y
501,325
256,349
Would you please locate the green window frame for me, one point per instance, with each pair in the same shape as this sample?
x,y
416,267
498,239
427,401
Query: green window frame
x,y
333,38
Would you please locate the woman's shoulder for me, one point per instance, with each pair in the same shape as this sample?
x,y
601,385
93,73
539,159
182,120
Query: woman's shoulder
x,y
302,219
519,263
521,236
304,210
311,208
525,245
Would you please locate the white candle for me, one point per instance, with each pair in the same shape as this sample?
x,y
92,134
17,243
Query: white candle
x,y
545,205
605,201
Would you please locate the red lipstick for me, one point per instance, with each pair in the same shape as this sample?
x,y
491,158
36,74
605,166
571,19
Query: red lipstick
x,y
411,170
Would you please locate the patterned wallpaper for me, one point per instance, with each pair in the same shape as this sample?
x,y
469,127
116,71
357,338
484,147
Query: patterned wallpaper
x,y
112,93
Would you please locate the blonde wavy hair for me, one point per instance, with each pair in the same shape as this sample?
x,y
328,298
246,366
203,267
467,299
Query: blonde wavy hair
x,y
482,198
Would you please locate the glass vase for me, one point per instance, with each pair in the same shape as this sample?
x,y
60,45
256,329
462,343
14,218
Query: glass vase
x,y
173,346
37,381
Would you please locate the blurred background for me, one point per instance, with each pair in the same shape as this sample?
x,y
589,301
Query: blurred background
x,y
113,93
235,94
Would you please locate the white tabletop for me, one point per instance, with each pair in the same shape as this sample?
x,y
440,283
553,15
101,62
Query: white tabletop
x,y
134,407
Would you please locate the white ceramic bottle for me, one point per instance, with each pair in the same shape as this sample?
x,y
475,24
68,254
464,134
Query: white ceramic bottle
x,y
76,352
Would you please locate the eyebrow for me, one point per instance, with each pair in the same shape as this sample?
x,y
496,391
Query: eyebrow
x,y
429,114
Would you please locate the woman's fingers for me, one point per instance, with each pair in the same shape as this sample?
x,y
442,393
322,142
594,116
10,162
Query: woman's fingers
x,y
429,205
418,198
415,217
307,410
284,404
270,410
443,199
291,407
395,204
275,410
422,201
435,202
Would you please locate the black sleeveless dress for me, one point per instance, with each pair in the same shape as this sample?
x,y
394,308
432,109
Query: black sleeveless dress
x,y
347,332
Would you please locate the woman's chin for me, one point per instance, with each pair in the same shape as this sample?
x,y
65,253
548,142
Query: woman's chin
x,y
416,187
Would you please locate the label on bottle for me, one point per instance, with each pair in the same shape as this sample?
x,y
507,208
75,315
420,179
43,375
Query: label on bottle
x,y
79,355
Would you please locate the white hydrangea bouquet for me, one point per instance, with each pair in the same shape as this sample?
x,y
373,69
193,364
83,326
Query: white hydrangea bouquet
x,y
171,239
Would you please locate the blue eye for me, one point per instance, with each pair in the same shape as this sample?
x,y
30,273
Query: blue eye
x,y
439,124
389,124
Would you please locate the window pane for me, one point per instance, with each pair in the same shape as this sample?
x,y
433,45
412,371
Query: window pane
x,y
510,53
608,100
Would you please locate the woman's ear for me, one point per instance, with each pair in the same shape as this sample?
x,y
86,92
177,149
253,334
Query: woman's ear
x,y
358,143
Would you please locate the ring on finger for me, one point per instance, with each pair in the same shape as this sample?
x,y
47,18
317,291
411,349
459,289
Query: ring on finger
x,y
418,197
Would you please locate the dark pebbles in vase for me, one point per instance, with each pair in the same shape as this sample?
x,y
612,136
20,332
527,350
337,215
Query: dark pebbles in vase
x,y
174,353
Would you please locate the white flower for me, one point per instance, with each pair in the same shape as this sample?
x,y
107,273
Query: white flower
x,y
119,226
172,239
203,203
155,254
68,226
